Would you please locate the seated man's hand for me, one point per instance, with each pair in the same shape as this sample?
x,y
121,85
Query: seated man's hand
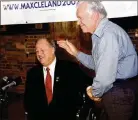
x,y
89,93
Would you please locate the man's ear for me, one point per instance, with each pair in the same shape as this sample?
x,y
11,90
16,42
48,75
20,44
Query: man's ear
x,y
53,50
95,16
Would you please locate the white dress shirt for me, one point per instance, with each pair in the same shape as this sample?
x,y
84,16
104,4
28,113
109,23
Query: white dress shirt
x,y
52,72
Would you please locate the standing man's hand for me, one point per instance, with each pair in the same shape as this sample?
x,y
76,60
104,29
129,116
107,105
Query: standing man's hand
x,y
68,46
89,93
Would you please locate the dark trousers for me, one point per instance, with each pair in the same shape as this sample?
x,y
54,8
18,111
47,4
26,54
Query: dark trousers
x,y
120,102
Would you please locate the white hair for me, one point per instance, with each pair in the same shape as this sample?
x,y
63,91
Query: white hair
x,y
95,5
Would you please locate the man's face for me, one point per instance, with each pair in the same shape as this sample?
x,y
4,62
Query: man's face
x,y
44,52
85,20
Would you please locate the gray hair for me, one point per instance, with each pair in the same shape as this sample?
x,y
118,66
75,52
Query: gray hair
x,y
95,5
51,42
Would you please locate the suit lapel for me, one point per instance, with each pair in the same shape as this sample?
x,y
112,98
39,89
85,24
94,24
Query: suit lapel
x,y
56,77
41,77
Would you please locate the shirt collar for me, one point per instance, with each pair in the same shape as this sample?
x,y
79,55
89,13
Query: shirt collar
x,y
100,29
52,65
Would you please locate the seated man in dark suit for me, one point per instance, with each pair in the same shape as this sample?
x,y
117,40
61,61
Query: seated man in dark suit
x,y
52,88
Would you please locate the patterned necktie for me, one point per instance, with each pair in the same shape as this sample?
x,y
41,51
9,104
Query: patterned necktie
x,y
48,86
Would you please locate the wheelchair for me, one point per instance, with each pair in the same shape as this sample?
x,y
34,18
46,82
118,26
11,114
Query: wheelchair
x,y
88,110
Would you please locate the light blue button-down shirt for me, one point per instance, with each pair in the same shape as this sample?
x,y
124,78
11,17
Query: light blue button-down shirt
x,y
113,57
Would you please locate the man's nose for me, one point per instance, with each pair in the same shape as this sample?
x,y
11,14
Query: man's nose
x,y
78,22
38,53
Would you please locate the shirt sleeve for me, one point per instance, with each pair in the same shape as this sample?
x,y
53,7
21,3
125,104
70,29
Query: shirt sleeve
x,y
106,64
86,60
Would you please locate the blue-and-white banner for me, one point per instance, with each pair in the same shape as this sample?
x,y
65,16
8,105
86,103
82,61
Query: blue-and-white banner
x,y
22,12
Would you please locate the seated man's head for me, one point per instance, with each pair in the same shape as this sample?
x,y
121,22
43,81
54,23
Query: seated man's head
x,y
45,51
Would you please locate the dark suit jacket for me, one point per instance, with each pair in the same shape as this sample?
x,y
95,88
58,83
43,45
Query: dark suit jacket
x,y
68,82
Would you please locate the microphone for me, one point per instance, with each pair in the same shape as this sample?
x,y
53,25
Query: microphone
x,y
4,81
15,82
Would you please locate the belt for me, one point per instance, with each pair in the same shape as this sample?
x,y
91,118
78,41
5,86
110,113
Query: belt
x,y
125,80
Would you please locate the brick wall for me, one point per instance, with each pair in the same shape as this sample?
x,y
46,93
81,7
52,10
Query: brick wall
x,y
133,33
17,53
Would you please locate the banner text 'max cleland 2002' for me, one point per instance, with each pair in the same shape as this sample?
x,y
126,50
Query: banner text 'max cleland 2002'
x,y
36,4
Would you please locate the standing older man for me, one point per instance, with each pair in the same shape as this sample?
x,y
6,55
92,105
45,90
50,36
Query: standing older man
x,y
113,58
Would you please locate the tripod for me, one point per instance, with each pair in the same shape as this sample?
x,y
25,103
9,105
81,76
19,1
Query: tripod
x,y
3,102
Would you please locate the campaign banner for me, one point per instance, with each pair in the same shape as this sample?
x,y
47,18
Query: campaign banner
x,y
22,12
26,12
116,9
